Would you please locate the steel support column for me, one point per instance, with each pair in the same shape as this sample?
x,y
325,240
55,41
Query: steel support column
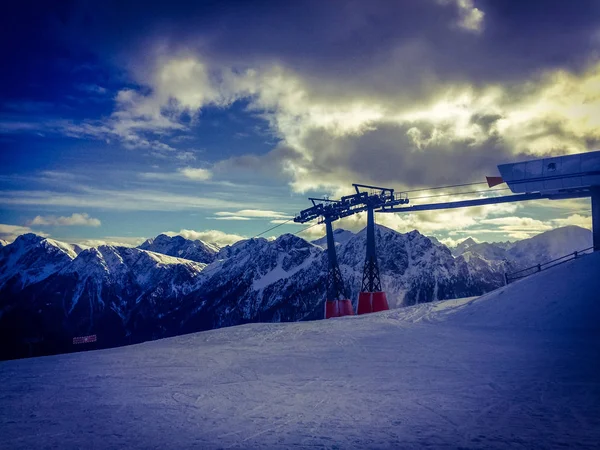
x,y
335,283
595,190
371,281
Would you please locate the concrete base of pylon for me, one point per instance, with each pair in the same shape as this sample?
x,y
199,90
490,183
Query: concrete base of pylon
x,y
338,308
369,302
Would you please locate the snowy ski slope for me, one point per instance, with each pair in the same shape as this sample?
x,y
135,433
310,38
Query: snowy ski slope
x,y
516,368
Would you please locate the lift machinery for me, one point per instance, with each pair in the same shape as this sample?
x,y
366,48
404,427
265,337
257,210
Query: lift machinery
x,y
327,211
554,178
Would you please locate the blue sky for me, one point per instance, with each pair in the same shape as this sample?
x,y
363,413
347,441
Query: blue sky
x,y
215,120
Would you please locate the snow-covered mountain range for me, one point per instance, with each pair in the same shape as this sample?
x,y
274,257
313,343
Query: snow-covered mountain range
x,y
516,368
180,247
340,237
51,291
543,247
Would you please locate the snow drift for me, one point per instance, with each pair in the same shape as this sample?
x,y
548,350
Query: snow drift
x,y
560,298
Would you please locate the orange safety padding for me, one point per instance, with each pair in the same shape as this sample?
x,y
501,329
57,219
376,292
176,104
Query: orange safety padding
x,y
380,302
494,181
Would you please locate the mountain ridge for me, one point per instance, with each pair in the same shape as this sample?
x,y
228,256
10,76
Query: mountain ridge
x,y
128,294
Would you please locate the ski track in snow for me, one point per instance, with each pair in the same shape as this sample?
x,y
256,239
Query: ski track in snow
x,y
506,370
350,383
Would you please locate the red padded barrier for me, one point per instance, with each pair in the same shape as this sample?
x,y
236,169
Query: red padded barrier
x,y
338,308
331,309
369,302
364,303
380,302
345,308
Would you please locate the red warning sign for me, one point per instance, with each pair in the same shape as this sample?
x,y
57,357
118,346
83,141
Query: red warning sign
x,y
84,339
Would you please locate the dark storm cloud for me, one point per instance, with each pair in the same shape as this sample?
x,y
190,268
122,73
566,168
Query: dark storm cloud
x,y
485,121
375,45
387,154
387,52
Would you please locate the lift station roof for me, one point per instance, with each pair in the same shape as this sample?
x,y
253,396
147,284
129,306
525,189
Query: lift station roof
x,y
559,173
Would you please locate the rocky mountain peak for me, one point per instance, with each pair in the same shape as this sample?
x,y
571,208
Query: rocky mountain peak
x,y
180,247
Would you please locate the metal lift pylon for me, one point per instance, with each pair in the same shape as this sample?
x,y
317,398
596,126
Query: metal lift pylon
x,y
371,298
337,303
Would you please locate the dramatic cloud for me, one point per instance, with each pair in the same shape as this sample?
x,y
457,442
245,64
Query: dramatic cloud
x,y
411,93
210,236
461,134
75,219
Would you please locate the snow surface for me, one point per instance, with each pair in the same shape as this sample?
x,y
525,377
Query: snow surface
x,y
279,273
516,368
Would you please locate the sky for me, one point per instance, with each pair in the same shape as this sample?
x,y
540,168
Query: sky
x,y
217,119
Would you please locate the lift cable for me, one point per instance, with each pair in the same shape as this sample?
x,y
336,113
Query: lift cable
x,y
283,223
304,229
272,228
414,198
443,187
461,193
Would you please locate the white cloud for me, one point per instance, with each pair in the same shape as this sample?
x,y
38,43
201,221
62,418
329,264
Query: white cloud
x,y
92,88
471,18
324,135
75,219
186,174
315,232
286,221
210,236
450,242
252,214
231,218
186,156
10,232
518,227
197,174
129,200
571,206
575,219
117,241
430,222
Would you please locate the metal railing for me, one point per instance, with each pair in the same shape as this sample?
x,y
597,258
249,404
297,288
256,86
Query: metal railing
x,y
509,277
